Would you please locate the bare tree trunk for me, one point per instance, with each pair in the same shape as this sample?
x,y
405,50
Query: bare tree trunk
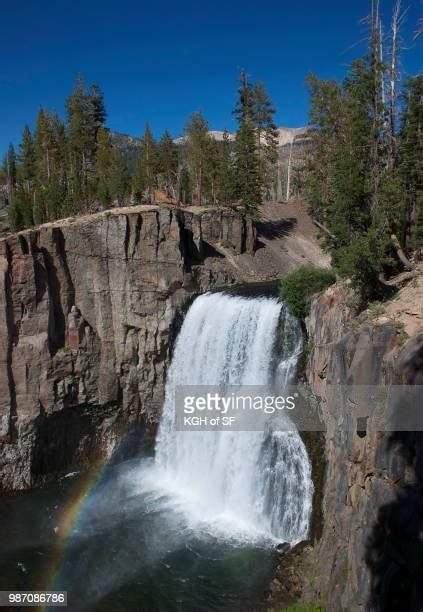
x,y
200,180
288,180
324,229
374,51
401,255
395,28
382,80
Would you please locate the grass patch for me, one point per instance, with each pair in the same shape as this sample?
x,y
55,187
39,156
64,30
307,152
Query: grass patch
x,y
303,608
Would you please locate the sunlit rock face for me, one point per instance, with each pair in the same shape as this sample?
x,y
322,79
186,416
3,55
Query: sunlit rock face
x,y
369,555
88,311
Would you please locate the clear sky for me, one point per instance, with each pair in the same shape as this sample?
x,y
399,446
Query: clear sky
x,y
157,61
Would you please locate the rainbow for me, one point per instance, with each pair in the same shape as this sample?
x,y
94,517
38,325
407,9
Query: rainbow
x,y
68,520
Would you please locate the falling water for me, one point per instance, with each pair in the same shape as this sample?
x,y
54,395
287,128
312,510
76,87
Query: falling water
x,y
251,485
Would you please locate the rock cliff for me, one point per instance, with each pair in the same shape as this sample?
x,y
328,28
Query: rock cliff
x,y
369,556
88,310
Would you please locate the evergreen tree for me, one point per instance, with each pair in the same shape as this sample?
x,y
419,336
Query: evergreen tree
x,y
21,204
9,169
56,174
247,176
355,192
44,146
244,107
86,115
267,135
197,151
44,143
149,162
145,177
338,174
185,191
168,164
95,99
212,170
247,171
118,178
26,168
104,155
56,187
255,108
13,218
225,173
411,156
15,211
111,172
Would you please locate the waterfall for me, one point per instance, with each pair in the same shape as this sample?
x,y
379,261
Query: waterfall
x,y
254,484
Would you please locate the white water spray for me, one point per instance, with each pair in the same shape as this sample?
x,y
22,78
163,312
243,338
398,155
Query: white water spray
x,y
251,485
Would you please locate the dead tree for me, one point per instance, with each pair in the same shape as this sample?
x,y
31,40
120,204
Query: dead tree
x,y
396,22
288,179
375,106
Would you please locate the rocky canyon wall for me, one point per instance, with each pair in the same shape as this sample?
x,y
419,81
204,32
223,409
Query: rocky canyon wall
x,y
369,556
88,311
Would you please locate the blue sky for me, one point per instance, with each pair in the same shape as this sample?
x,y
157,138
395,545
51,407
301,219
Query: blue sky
x,y
159,61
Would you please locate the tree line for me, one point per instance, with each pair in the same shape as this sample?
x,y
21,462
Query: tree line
x,y
363,175
71,167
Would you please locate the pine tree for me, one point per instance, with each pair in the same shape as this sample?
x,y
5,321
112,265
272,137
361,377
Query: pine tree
x,y
9,169
247,176
145,177
111,172
225,176
267,135
95,99
212,170
15,211
197,150
168,164
44,146
118,178
56,189
149,161
20,211
411,155
27,160
185,190
356,192
244,107
138,181
104,155
338,173
86,115
246,170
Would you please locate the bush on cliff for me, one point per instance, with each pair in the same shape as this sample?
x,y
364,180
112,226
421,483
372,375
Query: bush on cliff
x,y
298,287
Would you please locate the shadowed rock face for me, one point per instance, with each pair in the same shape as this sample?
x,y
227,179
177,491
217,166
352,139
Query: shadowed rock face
x,y
370,554
88,311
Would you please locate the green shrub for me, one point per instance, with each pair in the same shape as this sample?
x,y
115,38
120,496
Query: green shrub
x,y
227,244
298,287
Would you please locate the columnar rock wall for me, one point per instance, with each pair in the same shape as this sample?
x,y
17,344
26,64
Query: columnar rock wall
x,y
88,309
370,554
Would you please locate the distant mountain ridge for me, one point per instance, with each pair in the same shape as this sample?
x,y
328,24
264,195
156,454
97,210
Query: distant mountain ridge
x,y
286,135
292,144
